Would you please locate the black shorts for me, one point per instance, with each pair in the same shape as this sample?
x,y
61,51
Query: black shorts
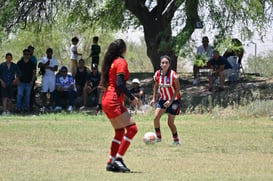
x,y
8,91
173,109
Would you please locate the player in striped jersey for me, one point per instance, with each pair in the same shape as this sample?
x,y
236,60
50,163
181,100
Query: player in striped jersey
x,y
167,85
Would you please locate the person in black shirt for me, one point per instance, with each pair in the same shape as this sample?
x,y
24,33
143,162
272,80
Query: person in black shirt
x,y
95,51
28,72
91,86
220,68
81,76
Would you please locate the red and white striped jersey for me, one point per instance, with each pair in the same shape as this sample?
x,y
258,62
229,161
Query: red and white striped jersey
x,y
166,84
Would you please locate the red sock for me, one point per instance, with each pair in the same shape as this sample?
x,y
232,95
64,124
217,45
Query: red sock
x,y
119,133
131,132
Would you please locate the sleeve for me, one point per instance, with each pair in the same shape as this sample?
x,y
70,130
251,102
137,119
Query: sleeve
x,y
155,77
122,88
122,67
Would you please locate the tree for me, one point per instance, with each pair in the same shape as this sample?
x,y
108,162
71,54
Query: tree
x,y
157,17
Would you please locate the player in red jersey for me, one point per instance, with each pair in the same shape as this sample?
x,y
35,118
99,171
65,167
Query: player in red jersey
x,y
115,73
167,85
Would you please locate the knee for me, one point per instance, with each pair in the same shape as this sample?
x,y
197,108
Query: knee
x,y
132,129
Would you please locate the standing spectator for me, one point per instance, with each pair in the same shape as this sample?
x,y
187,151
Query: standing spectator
x,y
204,53
220,68
74,54
91,86
28,73
167,84
115,73
81,76
32,93
95,51
9,73
65,89
49,65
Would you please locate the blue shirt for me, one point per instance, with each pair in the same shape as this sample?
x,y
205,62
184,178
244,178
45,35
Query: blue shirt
x,y
8,74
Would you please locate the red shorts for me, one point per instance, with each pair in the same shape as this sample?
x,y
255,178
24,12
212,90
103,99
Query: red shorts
x,y
112,105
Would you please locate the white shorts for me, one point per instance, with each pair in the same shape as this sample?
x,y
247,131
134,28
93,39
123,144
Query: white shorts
x,y
227,72
48,83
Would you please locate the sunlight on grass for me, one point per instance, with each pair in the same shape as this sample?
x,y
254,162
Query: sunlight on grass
x,y
76,147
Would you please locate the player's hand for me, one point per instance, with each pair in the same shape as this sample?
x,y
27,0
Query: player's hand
x,y
135,101
167,104
152,102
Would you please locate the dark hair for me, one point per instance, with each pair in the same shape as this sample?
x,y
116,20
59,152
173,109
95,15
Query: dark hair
x,y
75,39
167,57
8,54
95,39
26,50
115,50
81,60
49,50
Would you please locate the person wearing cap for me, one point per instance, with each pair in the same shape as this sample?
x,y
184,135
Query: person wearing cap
x,y
81,76
91,87
137,91
65,89
28,75
49,65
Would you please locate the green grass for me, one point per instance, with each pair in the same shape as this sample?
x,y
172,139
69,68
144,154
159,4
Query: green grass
x,y
76,147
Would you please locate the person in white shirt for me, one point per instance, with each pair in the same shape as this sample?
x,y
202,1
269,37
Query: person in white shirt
x,y
48,66
205,51
74,55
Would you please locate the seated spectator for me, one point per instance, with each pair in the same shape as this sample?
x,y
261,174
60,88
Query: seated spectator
x,y
65,89
204,53
9,74
236,49
91,86
49,66
28,75
220,68
81,76
138,92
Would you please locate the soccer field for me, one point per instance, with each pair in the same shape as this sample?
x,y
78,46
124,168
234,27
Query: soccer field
x,y
76,147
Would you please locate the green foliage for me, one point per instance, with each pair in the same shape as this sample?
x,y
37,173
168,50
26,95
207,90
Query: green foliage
x,y
261,64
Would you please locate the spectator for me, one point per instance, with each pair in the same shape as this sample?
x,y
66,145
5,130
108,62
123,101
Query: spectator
x,y
9,73
204,53
91,87
34,59
138,92
65,89
236,49
50,66
95,51
28,73
220,68
74,54
81,76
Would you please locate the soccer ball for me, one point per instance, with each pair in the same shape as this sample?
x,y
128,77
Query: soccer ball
x,y
149,138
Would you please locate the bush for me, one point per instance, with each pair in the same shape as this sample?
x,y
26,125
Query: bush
x,y
262,65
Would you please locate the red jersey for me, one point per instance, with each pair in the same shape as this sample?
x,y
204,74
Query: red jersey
x,y
166,84
112,100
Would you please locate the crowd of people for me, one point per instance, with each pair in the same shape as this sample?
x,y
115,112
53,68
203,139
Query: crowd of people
x,y
57,84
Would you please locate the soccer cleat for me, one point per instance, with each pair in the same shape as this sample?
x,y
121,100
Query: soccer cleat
x,y
118,162
176,143
111,168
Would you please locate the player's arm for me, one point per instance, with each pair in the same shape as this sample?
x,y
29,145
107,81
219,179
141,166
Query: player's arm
x,y
177,89
122,87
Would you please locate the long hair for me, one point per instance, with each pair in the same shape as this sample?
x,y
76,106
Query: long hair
x,y
115,50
